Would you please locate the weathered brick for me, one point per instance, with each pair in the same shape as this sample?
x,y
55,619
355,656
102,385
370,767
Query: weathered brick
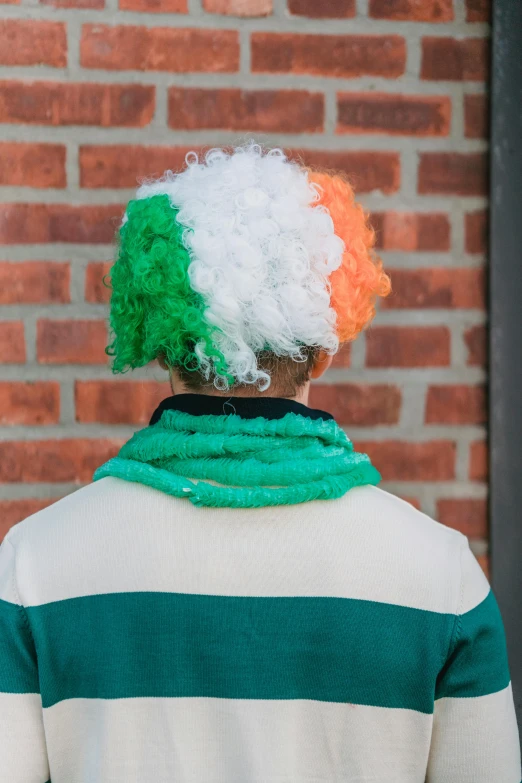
x,y
33,282
34,223
96,291
155,6
477,232
239,7
408,346
410,231
478,10
468,515
29,403
343,357
71,342
456,404
436,288
479,461
122,165
62,103
358,404
31,42
440,288
79,4
412,10
268,111
344,56
323,9
455,59
476,116
32,165
407,461
50,461
393,114
368,171
14,511
172,49
453,173
476,343
118,402
12,342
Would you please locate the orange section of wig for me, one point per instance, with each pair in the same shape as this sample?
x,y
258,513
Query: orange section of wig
x,y
360,279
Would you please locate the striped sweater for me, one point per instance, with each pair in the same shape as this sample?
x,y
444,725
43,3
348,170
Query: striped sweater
x,y
145,639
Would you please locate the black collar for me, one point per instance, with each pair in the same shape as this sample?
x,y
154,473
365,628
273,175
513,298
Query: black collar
x,y
246,407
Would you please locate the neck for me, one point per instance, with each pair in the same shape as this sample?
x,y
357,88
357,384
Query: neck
x,y
302,394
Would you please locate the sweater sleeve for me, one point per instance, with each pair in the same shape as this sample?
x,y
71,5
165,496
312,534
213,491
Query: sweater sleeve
x,y
23,756
475,736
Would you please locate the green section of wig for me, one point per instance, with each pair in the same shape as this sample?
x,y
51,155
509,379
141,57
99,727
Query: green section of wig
x,y
153,307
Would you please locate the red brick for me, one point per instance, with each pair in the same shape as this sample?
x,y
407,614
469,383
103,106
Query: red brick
x,y
33,282
455,59
239,7
121,165
96,291
68,460
29,403
408,346
456,404
14,511
405,461
74,3
477,232
343,56
12,342
412,10
61,103
479,461
368,171
134,48
478,10
359,405
467,515
9,2
476,343
32,165
323,9
268,111
34,223
71,342
411,232
476,116
393,115
30,42
436,288
453,173
155,6
118,402
343,357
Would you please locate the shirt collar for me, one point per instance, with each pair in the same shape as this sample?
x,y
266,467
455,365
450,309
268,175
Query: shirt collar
x,y
246,407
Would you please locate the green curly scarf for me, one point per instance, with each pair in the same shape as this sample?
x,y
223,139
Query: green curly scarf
x,y
253,462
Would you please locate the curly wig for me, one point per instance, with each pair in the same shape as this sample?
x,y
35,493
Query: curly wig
x,y
239,256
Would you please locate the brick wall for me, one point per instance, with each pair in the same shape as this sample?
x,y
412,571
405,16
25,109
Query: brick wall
x,y
95,93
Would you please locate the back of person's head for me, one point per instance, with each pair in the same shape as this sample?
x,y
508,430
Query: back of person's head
x,y
239,270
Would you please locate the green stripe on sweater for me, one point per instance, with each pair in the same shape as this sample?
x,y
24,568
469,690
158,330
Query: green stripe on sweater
x,y
18,672
327,649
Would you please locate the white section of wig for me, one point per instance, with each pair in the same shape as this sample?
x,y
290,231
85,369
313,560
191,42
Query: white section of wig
x,y
261,252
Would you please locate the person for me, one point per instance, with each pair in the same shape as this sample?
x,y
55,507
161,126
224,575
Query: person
x,y
233,599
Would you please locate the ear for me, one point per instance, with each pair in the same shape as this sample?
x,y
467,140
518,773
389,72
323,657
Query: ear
x,y
321,365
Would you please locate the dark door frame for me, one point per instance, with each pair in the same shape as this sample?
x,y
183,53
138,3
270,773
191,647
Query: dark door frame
x,y
505,344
